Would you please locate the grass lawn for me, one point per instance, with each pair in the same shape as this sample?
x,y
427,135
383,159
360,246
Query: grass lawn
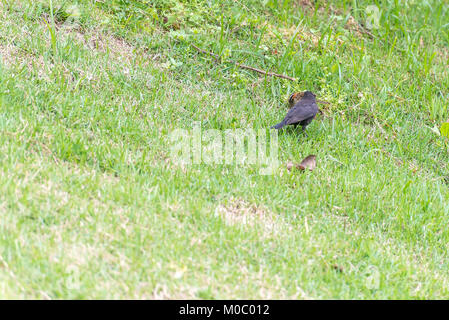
x,y
93,206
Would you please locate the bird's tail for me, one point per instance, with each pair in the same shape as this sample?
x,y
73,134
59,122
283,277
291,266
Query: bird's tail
x,y
278,126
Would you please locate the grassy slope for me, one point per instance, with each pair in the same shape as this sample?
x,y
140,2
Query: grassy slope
x,y
92,207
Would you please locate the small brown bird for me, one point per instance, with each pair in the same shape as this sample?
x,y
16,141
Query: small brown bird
x,y
303,111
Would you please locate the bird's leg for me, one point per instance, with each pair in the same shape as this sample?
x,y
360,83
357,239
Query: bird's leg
x,y
304,131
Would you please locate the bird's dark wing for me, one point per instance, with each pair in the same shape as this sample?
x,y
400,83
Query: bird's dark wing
x,y
301,111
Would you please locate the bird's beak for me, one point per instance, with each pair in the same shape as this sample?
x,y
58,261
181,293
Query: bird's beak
x,y
292,96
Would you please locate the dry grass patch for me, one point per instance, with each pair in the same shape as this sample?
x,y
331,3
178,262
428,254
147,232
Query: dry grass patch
x,y
238,212
8,54
12,56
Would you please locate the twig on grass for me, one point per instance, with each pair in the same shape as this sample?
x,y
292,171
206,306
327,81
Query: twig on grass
x,y
243,66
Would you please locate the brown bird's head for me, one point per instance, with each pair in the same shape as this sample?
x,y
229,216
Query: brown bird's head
x,y
295,97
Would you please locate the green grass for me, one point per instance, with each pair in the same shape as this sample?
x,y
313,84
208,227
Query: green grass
x,y
92,205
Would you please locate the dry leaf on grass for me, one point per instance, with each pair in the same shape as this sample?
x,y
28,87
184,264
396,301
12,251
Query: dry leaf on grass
x,y
308,163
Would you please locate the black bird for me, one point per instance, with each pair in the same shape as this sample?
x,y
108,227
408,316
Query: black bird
x,y
302,112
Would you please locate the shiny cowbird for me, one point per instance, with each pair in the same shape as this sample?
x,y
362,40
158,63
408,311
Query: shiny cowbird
x,y
303,111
